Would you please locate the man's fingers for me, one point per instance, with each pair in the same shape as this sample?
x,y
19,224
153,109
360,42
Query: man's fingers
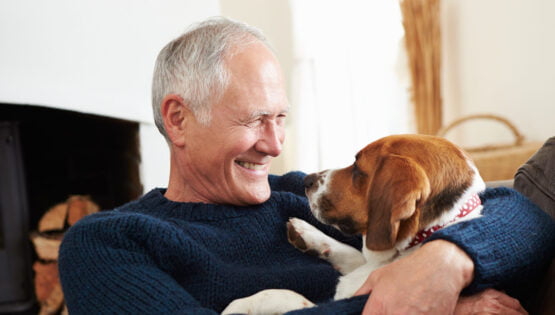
x,y
366,288
489,301
507,301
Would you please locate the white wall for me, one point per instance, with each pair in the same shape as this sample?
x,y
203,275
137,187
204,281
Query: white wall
x,y
93,56
498,58
97,57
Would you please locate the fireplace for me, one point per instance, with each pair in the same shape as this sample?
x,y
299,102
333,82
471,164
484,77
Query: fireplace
x,y
46,155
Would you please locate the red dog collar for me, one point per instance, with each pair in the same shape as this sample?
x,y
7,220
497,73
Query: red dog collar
x,y
469,206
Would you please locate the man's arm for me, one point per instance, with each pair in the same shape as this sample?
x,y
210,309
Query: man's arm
x,y
510,243
428,281
103,271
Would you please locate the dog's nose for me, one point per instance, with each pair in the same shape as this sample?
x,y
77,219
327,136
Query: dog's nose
x,y
309,180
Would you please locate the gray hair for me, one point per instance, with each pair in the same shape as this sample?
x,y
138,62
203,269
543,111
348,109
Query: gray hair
x,y
193,65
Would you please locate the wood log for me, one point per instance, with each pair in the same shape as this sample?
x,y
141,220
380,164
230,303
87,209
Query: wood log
x,y
48,288
47,245
47,240
79,207
53,304
58,217
54,219
46,276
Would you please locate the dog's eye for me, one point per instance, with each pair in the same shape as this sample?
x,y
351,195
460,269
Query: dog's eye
x,y
357,173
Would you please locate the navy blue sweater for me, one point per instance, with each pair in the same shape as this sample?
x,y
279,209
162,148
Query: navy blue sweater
x,y
156,256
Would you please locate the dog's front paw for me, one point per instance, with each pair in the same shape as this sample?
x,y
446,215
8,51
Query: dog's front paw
x,y
309,239
306,238
271,301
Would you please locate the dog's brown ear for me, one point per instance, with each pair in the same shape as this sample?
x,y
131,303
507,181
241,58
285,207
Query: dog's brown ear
x,y
399,187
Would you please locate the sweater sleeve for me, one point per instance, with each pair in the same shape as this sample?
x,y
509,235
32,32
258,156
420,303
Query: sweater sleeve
x,y
102,271
511,244
290,182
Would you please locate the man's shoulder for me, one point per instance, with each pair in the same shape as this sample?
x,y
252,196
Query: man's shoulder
x,y
129,214
288,182
505,199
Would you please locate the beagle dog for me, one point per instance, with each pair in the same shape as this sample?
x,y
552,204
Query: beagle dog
x,y
399,190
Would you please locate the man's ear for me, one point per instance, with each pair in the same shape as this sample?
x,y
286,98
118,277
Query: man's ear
x,y
175,114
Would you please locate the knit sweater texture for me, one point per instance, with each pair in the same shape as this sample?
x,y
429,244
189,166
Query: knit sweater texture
x,y
156,256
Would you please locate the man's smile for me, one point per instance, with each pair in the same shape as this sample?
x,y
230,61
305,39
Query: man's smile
x,y
252,166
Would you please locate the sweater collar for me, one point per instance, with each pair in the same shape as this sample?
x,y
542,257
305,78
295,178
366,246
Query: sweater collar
x,y
155,203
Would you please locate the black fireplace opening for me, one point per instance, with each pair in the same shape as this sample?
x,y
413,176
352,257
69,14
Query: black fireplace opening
x,y
46,155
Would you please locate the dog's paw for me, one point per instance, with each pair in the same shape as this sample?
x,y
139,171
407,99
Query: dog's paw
x,y
272,301
309,239
306,238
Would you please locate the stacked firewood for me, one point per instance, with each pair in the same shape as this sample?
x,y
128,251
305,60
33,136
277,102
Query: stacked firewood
x,y
46,240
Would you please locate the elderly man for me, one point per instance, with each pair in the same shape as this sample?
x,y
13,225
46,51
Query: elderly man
x,y
217,233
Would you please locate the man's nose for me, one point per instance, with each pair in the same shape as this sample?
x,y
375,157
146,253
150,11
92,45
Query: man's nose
x,y
271,142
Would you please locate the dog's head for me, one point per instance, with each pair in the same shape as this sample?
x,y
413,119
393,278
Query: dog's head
x,y
396,186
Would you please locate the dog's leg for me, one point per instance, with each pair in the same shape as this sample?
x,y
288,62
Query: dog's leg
x,y
272,301
309,239
349,284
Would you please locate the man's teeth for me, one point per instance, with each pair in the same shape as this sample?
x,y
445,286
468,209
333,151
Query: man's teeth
x,y
251,166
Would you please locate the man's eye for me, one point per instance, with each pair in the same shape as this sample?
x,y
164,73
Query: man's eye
x,y
281,119
254,122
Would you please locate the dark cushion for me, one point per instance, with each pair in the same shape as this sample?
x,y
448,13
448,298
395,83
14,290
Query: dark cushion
x,y
536,178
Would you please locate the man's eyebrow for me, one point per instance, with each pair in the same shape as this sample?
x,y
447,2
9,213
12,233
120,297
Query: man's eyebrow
x,y
263,113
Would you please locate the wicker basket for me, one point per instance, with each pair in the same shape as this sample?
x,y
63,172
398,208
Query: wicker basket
x,y
497,162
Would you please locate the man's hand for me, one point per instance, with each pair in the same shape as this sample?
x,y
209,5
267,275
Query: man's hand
x,y
428,281
489,302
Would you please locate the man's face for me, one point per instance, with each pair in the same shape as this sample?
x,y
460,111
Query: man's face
x,y
228,161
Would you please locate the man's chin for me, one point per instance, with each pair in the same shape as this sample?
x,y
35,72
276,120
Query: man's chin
x,y
257,195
